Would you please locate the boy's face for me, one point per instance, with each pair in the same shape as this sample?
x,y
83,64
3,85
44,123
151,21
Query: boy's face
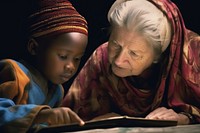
x,y
59,60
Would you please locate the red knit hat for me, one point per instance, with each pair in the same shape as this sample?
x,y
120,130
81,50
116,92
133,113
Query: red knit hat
x,y
52,17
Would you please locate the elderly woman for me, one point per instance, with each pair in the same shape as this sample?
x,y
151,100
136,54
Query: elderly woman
x,y
149,68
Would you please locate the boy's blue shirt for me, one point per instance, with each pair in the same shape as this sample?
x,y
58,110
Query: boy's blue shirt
x,y
11,110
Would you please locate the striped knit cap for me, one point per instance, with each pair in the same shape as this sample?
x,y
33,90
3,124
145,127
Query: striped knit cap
x,y
53,17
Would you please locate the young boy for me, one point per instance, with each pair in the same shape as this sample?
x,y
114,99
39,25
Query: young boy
x,y
31,89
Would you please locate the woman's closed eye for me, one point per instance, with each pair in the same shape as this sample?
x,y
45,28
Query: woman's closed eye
x,y
134,55
115,45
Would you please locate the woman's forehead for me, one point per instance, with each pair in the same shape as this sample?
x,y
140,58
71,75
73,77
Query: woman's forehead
x,y
127,36
131,40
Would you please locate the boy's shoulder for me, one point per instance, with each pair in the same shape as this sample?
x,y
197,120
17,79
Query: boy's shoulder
x,y
11,74
7,63
11,65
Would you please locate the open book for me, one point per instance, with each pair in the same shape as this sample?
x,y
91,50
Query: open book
x,y
117,121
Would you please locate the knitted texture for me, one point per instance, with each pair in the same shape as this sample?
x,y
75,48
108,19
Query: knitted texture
x,y
51,17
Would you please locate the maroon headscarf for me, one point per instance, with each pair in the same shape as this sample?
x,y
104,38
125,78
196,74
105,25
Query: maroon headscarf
x,y
96,90
183,70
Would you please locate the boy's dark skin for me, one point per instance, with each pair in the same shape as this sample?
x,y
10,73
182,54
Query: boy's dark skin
x,y
58,60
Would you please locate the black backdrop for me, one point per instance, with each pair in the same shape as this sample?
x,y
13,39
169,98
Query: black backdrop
x,y
95,12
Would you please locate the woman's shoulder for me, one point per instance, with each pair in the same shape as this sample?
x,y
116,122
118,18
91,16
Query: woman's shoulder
x,y
104,45
193,45
191,50
98,61
102,49
193,35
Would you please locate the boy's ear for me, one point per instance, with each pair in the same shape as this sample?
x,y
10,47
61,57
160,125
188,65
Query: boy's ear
x,y
32,46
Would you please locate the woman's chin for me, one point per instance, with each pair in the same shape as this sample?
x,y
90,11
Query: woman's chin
x,y
119,73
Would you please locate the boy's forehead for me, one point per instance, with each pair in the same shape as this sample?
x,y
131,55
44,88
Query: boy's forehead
x,y
70,40
70,37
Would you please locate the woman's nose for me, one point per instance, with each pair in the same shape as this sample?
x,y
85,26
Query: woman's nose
x,y
120,58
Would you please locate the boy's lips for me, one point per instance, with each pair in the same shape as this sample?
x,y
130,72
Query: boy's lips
x,y
66,76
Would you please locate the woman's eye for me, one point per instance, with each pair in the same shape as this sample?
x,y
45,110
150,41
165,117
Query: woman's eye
x,y
134,55
115,45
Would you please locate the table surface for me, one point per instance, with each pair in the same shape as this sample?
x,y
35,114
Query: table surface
x,y
195,128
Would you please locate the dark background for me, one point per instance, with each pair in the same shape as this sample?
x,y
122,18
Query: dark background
x,y
95,11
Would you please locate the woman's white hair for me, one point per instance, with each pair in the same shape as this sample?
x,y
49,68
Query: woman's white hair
x,y
143,17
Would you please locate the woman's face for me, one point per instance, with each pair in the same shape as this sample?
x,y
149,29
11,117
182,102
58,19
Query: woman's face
x,y
60,60
129,53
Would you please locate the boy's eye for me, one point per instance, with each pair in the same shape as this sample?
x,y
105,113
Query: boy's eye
x,y
78,59
62,56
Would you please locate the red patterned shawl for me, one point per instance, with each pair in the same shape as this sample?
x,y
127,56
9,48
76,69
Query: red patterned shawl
x,y
97,91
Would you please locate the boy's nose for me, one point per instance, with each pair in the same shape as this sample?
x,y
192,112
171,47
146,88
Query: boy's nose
x,y
69,66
